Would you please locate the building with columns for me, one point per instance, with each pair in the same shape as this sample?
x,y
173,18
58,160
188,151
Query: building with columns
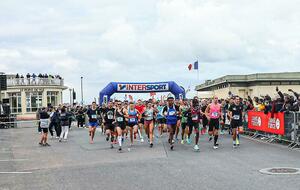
x,y
26,96
259,84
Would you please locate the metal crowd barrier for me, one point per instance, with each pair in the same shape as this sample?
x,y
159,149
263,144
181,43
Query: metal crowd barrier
x,y
19,124
291,131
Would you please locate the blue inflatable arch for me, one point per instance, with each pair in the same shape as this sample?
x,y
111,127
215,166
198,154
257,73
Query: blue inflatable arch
x,y
137,87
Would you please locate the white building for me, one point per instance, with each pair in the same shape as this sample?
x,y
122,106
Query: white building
x,y
26,96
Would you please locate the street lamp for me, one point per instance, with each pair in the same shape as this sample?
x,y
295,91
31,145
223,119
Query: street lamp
x,y
70,89
81,87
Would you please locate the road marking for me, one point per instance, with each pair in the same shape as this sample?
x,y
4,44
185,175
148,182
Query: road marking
x,y
15,172
14,160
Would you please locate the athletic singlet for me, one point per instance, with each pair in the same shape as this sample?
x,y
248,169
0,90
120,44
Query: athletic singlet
x,y
215,110
195,114
183,111
159,114
149,114
120,116
132,116
171,116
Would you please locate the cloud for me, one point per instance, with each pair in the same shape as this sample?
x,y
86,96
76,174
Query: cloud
x,y
151,40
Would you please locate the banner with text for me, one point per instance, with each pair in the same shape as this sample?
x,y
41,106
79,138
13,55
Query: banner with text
x,y
264,122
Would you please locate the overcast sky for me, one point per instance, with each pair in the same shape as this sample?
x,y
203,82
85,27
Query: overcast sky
x,y
148,40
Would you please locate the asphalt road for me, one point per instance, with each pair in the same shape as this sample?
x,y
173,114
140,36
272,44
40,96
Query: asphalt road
x,y
78,165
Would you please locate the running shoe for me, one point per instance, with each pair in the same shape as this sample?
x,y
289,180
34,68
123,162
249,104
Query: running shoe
x,y
107,138
40,143
237,142
142,140
120,149
196,147
60,140
234,146
172,147
46,144
182,141
216,146
188,140
151,145
111,146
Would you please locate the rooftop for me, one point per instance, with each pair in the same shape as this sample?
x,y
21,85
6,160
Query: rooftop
x,y
14,82
258,77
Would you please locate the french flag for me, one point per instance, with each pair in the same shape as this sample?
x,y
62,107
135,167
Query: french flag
x,y
193,66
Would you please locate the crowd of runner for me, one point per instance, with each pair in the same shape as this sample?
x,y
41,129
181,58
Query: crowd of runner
x,y
120,120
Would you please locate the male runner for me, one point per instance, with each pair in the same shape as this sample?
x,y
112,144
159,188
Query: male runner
x,y
213,114
171,111
236,114
92,114
109,121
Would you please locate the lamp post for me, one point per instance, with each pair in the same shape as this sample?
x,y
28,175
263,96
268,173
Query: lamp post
x,y
70,89
81,88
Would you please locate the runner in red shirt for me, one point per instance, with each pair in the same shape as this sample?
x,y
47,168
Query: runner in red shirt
x,y
141,109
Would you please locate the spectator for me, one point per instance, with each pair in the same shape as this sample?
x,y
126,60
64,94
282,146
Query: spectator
x,y
22,80
28,78
33,79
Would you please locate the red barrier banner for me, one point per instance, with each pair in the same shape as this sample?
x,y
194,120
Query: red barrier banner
x,y
263,122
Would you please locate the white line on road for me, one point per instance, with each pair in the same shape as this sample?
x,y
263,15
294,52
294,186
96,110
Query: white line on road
x,y
14,160
15,172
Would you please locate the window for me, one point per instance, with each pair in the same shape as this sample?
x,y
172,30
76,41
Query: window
x,y
52,98
15,102
33,101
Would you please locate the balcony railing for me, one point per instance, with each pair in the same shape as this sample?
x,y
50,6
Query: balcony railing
x,y
35,82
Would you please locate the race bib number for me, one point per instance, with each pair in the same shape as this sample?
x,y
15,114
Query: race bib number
x,y
215,114
236,117
94,116
110,116
132,119
120,119
195,117
172,113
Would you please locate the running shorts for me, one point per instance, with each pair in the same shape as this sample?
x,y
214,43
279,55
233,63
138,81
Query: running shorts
x,y
45,130
110,126
132,124
93,124
147,122
161,121
141,121
214,124
121,125
235,124
172,126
